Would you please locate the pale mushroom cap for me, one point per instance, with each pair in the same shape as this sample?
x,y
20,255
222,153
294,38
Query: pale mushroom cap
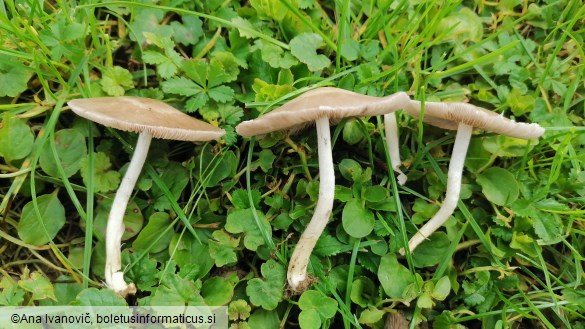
x,y
330,102
139,114
449,115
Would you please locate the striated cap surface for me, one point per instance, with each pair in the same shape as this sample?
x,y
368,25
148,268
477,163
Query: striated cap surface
x,y
449,115
333,103
139,114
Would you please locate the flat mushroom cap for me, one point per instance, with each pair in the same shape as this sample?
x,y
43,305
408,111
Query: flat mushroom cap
x,y
449,115
334,103
139,114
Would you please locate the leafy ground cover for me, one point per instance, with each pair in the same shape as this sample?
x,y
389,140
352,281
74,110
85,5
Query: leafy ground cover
x,y
215,223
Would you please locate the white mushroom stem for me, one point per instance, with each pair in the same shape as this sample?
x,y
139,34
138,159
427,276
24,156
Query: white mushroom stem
x,y
391,130
297,268
115,229
453,187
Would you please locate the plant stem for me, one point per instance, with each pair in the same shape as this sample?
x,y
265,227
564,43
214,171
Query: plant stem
x,y
297,269
453,187
115,229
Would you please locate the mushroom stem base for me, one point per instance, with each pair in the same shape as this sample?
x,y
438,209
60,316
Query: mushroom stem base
x,y
453,187
297,268
115,228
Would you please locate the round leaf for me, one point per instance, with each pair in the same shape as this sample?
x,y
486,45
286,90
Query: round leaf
x,y
20,136
393,276
310,319
36,230
217,291
357,220
71,149
498,185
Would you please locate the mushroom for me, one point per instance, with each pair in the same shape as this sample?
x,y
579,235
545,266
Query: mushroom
x,y
149,118
462,117
319,105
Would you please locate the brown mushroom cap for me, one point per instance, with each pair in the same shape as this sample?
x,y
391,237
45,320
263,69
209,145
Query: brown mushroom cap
x,y
334,103
449,115
139,114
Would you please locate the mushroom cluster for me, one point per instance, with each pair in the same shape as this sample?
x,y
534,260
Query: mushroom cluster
x,y
322,106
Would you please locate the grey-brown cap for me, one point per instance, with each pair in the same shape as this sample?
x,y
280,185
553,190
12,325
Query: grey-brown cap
x,y
330,102
449,115
139,114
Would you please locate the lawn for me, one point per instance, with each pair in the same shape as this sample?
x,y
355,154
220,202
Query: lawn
x,y
215,223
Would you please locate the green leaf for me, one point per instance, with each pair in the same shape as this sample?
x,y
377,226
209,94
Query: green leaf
x,y
267,292
223,68
264,319
310,319
464,25
221,248
304,47
239,310
275,56
352,132
431,251
375,193
10,293
477,156
274,9
217,291
243,221
39,286
371,315
197,102
95,297
326,307
132,220
221,94
393,276
13,77
350,50
165,67
65,288
181,86
187,251
507,146
176,291
328,245
442,288
104,180
196,70
230,114
363,291
20,136
350,169
357,221
144,274
71,150
175,177
116,80
189,32
266,159
153,231
498,185
40,230
241,200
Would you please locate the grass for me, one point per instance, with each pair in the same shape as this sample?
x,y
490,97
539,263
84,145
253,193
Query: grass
x,y
235,208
